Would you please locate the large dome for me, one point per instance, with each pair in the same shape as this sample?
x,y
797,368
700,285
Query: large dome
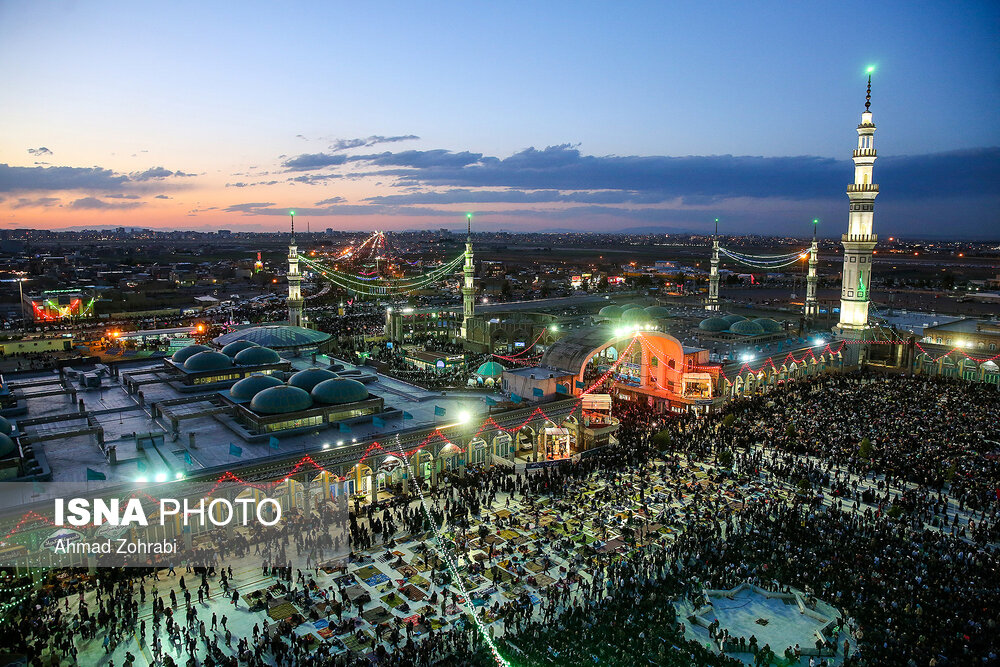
x,y
613,312
746,328
280,400
5,426
256,356
249,387
236,347
185,353
715,324
339,390
277,336
7,446
634,315
657,312
733,319
769,325
490,369
631,306
310,377
207,361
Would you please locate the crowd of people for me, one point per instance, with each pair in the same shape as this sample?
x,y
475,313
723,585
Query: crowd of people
x,y
878,495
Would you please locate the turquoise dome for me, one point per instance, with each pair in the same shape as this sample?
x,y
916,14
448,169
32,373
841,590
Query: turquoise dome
x,y
5,426
7,446
249,387
256,356
207,361
657,312
769,325
185,353
733,319
746,328
490,369
613,312
280,400
631,306
310,377
339,390
236,347
714,324
635,315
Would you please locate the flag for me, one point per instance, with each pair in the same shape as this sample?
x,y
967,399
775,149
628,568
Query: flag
x,y
439,411
561,389
579,384
344,427
378,422
95,475
407,415
36,486
234,450
515,398
537,391
273,442
187,458
489,401
141,466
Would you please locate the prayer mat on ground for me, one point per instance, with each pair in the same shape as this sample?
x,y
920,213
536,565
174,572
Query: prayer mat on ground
x,y
377,615
352,643
451,610
407,570
345,580
543,580
377,579
367,572
282,611
355,593
508,534
610,546
325,633
321,623
501,575
503,514
493,539
436,623
413,593
519,540
393,600
418,580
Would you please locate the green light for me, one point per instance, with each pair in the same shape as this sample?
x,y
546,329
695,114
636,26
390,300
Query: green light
x,y
291,213
871,68
815,221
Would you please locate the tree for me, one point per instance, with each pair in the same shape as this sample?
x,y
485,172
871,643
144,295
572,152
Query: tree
x,y
662,440
728,420
865,448
790,431
725,458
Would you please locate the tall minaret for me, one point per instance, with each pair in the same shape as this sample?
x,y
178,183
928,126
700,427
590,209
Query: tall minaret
x,y
713,276
859,241
294,281
812,306
469,287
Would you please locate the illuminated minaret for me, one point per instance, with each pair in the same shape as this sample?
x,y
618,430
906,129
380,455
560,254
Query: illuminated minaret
x,y
469,286
294,281
713,277
812,306
859,241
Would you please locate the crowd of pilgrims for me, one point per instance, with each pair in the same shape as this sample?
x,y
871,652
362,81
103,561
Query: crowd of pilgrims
x,y
901,540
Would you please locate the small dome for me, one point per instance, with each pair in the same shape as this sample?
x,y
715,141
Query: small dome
x,y
7,446
339,390
249,387
280,400
769,325
733,319
185,353
236,347
715,324
634,315
256,356
5,426
207,361
490,369
631,306
310,377
613,312
657,312
746,328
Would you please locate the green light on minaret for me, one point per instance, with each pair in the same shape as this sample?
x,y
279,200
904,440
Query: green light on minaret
x,y
871,68
291,213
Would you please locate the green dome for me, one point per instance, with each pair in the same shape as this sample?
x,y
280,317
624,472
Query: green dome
x,y
613,312
733,319
769,325
657,312
490,369
715,324
7,446
276,336
249,387
256,356
207,361
631,306
339,390
310,377
185,353
280,400
746,328
5,426
236,347
635,315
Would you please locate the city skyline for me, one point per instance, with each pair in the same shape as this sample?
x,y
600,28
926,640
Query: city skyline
x,y
644,117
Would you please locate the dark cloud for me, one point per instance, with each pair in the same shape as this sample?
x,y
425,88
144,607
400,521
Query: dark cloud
x,y
346,144
414,159
122,196
331,200
14,179
40,151
239,184
466,196
27,202
157,173
247,208
93,203
313,179
161,197
310,161
268,208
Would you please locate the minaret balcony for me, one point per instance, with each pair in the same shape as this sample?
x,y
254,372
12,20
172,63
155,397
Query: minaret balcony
x,y
860,238
864,152
862,187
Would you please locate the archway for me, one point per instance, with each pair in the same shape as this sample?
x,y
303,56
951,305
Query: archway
x,y
478,452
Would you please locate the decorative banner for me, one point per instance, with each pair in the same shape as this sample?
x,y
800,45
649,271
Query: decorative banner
x,y
407,415
344,427
580,384
273,442
537,392
187,458
439,411
93,475
562,389
234,450
63,536
378,422
515,398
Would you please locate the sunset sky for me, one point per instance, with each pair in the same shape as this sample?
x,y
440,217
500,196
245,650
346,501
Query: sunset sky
x,y
534,116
